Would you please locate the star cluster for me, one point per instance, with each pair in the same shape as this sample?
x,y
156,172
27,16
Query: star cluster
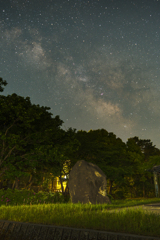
x,y
94,63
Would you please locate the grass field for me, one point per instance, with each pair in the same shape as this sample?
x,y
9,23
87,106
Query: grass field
x,y
48,208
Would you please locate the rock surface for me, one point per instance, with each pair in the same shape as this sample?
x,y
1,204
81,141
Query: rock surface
x,y
87,184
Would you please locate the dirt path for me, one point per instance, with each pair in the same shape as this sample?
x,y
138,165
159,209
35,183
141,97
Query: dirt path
x,y
150,207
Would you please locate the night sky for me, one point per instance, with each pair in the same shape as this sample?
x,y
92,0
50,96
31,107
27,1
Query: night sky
x,y
94,63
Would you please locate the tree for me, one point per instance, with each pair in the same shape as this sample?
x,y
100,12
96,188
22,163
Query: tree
x,y
2,82
62,152
30,128
136,158
32,143
27,120
147,148
144,148
24,130
107,152
26,181
148,151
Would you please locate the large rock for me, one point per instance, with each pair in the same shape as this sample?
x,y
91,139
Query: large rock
x,y
87,184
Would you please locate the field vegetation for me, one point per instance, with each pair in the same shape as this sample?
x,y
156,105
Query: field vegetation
x,y
55,209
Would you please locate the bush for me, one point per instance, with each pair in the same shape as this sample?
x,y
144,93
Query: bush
x,y
119,195
59,197
67,198
110,197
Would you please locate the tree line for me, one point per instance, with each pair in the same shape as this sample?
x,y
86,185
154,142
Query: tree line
x,y
33,145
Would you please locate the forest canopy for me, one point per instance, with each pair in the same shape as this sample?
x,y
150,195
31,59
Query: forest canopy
x,y
33,143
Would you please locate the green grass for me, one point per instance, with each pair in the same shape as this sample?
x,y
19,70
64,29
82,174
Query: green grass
x,y
52,209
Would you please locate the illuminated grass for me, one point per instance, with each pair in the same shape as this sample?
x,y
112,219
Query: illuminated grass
x,y
47,208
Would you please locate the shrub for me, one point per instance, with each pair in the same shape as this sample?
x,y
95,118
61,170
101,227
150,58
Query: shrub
x,y
119,195
110,197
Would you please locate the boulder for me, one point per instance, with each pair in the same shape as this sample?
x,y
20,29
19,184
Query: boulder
x,y
87,184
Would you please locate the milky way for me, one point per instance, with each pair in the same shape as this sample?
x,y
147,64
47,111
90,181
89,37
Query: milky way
x,y
94,63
